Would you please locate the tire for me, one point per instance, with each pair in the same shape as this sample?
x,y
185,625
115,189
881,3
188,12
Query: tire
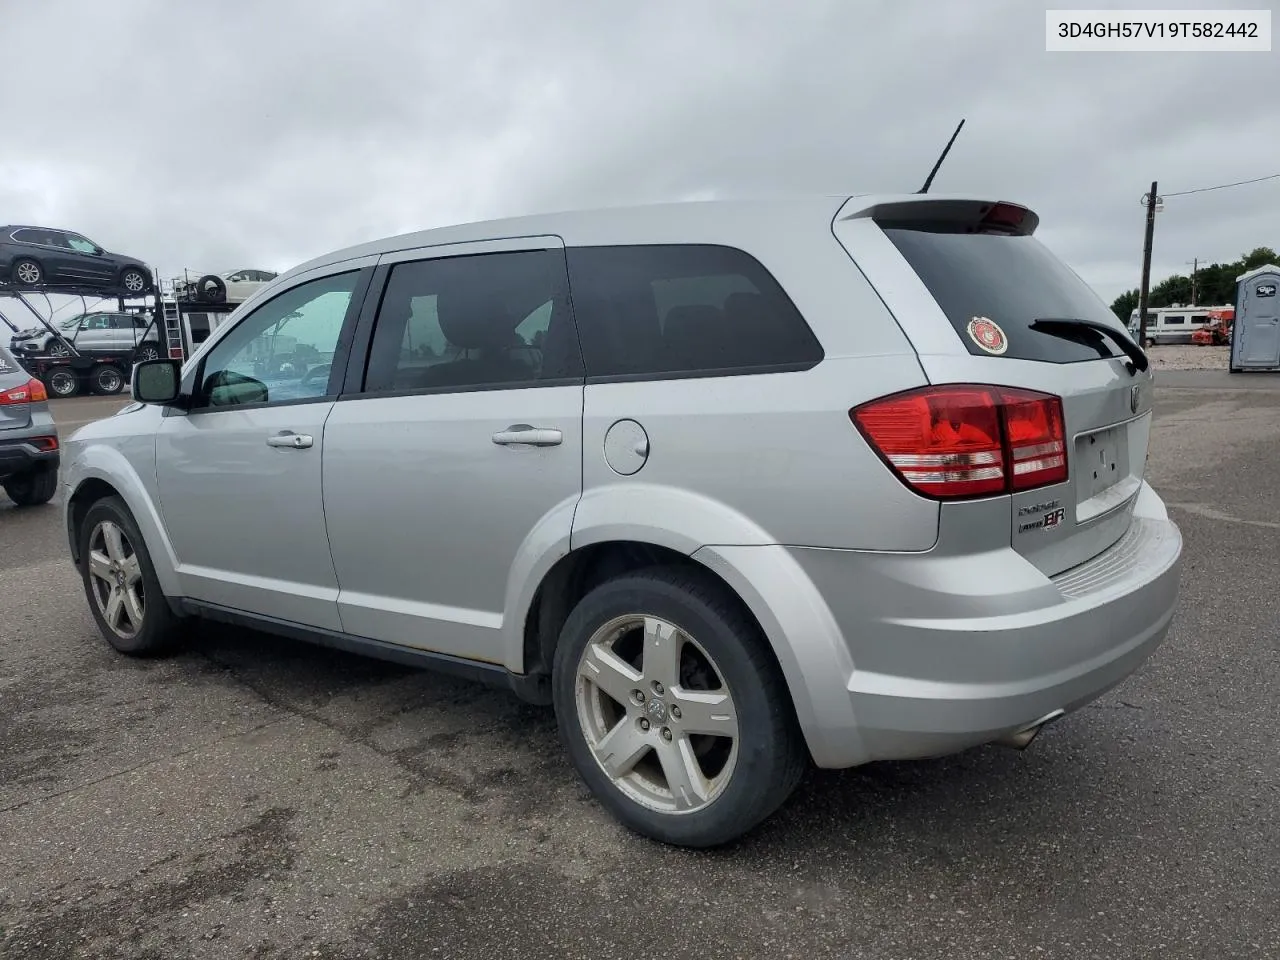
x,y
744,776
211,289
33,488
1150,342
107,380
27,273
134,282
59,348
62,383
126,573
148,351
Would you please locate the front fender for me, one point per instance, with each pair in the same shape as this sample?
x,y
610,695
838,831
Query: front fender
x,y
112,466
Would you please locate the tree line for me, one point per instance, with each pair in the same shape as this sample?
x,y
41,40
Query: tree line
x,y
1215,285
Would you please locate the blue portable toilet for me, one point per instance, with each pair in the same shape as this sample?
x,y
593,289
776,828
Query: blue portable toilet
x,y
1255,333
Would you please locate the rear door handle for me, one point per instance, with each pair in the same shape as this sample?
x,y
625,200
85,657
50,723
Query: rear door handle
x,y
521,434
287,438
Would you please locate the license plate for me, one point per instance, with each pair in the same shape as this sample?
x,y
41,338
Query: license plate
x,y
1099,462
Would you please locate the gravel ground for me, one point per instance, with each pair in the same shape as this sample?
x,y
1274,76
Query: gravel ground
x,y
1188,356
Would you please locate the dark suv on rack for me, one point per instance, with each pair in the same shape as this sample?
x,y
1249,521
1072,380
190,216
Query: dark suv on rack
x,y
33,257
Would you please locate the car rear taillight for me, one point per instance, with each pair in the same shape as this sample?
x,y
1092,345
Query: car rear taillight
x,y
952,442
30,392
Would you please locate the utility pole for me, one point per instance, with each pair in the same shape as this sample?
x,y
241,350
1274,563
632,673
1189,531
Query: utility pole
x,y
1151,200
1195,268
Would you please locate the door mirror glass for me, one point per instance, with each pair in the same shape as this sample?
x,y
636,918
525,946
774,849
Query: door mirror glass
x,y
156,381
227,388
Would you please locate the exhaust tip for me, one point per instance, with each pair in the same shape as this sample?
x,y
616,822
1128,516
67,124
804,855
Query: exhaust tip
x,y
1021,739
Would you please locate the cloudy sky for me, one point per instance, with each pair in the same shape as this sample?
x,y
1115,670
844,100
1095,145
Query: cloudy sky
x,y
234,134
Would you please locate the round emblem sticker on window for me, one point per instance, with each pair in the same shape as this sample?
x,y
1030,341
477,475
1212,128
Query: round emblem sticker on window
x,y
987,334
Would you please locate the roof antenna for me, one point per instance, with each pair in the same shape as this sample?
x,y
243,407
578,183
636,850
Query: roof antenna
x,y
945,150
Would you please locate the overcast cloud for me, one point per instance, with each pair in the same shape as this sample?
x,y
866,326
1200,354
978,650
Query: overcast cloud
x,y
236,134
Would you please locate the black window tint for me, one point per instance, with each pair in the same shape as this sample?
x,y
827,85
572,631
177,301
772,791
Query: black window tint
x,y
1013,280
458,323
683,309
1175,319
27,236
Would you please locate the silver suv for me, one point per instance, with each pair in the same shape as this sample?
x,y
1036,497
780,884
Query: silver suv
x,y
737,487
93,333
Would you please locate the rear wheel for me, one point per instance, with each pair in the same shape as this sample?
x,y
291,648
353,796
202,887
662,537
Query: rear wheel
x,y
133,281
672,708
108,379
120,582
145,352
62,383
27,272
34,487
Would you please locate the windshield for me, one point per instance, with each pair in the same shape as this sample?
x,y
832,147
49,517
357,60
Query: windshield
x,y
1013,280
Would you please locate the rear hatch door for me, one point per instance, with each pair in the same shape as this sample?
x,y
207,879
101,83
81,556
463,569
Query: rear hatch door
x,y
951,270
15,412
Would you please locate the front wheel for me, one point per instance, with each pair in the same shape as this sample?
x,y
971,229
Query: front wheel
x,y
59,348
673,710
120,582
34,487
146,352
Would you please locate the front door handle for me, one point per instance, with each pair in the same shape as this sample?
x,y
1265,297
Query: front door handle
x,y
521,434
287,438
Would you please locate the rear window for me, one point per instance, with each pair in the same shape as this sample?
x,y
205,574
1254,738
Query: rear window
x,y
7,363
683,310
1013,280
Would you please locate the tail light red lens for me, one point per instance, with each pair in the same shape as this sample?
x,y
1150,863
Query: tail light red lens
x,y
30,392
953,442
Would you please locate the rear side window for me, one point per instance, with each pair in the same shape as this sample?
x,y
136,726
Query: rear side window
x,y
7,363
1013,280
683,310
475,322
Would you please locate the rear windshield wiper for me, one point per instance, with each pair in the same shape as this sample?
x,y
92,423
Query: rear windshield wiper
x,y
1137,359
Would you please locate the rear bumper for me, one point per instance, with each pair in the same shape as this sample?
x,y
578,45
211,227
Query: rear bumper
x,y
919,655
19,456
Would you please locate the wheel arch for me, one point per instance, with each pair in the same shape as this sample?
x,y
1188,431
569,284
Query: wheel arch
x,y
107,473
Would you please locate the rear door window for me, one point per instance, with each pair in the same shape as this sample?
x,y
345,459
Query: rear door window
x,y
683,310
1012,280
475,322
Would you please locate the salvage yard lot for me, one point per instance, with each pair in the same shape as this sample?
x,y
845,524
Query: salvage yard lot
x,y
253,797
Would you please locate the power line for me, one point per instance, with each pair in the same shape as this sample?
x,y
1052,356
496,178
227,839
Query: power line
x,y
1222,186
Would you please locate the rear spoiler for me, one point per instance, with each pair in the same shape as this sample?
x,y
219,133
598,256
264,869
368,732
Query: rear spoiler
x,y
986,216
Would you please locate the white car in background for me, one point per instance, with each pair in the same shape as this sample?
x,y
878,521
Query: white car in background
x,y
234,286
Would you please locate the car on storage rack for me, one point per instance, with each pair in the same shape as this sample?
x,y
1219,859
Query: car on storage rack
x,y
29,450
47,257
233,286
822,481
92,334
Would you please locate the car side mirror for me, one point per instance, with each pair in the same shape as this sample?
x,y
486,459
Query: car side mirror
x,y
156,381
99,251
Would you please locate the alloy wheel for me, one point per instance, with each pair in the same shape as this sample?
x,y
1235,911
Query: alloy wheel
x,y
28,272
657,714
134,281
115,574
